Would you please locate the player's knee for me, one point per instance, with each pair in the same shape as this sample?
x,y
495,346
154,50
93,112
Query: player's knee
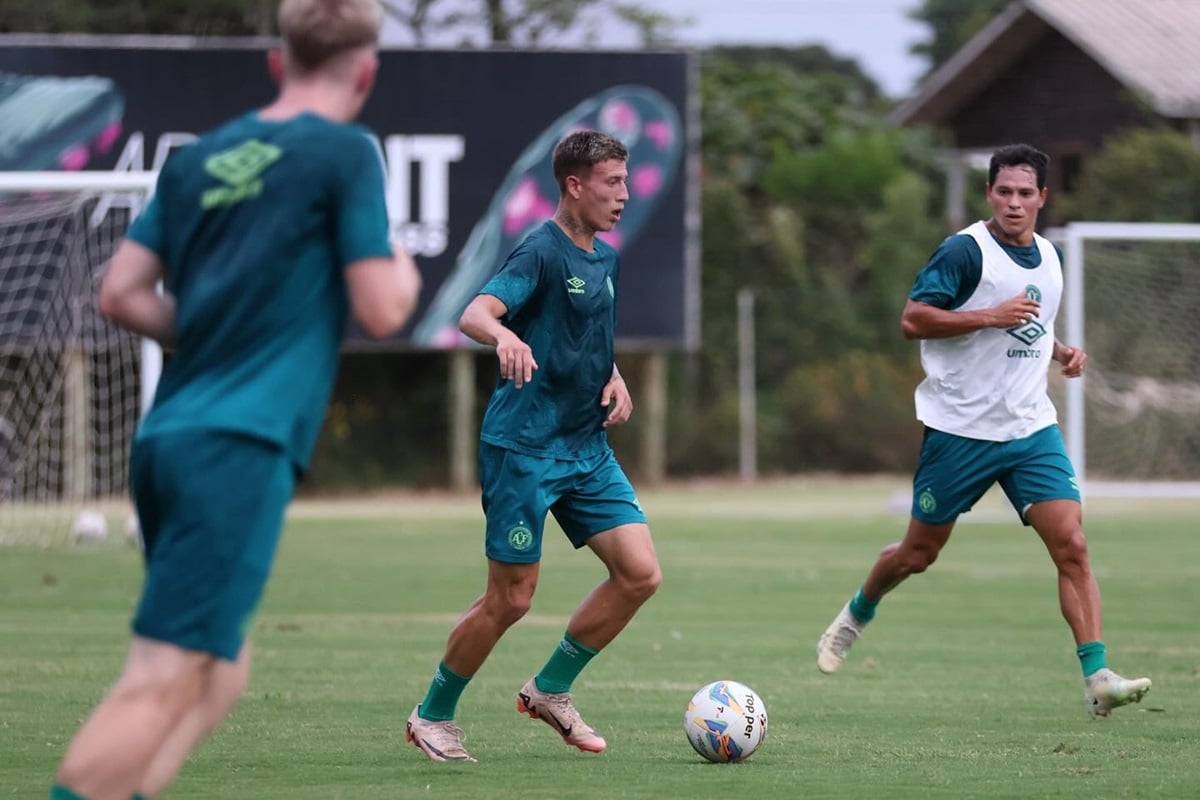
x,y
226,685
647,584
170,688
642,584
917,560
1070,551
511,604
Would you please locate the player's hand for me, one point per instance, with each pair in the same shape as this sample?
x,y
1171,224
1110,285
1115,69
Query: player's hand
x,y
1016,311
516,360
1073,360
616,399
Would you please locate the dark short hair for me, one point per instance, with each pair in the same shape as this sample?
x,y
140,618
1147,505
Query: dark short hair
x,y
1018,155
582,150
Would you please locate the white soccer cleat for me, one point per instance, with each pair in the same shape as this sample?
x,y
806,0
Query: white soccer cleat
x,y
835,642
441,741
1105,690
557,711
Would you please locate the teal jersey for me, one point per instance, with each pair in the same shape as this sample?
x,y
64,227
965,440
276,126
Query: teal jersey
x,y
254,223
953,271
562,302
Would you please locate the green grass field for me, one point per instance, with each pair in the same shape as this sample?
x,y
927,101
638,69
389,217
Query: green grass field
x,y
966,686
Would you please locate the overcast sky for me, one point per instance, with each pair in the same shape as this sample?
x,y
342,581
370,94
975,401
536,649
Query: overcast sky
x,y
876,33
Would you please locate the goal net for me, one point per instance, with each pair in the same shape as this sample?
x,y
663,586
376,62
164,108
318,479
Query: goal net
x,y
1132,423
70,381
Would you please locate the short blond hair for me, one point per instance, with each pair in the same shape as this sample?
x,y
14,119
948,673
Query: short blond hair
x,y
314,31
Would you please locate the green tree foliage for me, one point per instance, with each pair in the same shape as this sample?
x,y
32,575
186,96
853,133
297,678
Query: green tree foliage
x,y
1144,176
754,111
529,23
179,17
952,24
1140,176
483,22
825,213
654,28
806,60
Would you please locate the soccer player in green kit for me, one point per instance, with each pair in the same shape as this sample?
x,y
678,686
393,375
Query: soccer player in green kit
x,y
549,313
984,309
266,233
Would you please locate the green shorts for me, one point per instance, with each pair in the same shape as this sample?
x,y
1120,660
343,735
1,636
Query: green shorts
x,y
211,508
954,472
586,497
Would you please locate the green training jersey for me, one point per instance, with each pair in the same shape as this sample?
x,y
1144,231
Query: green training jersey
x,y
562,302
254,223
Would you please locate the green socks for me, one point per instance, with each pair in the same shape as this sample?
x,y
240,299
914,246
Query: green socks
x,y
1091,657
442,698
861,608
564,666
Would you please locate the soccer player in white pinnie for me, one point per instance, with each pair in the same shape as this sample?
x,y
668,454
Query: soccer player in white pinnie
x,y
984,308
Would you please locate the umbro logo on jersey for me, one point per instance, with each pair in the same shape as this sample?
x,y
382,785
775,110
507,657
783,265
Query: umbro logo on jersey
x,y
1028,332
240,169
575,285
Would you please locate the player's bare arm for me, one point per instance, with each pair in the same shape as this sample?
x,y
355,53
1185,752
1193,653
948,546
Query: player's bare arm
x,y
923,321
616,399
481,322
129,293
1073,359
383,292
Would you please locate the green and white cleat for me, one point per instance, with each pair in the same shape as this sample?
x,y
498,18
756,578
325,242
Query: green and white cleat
x,y
836,641
1105,690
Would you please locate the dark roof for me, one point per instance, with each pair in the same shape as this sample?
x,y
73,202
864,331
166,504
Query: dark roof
x,y
1150,46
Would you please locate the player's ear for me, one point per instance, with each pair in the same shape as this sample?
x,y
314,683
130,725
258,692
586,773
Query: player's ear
x,y
275,64
574,186
364,76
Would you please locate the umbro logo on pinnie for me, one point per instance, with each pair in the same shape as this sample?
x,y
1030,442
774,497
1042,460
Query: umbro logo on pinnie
x,y
575,285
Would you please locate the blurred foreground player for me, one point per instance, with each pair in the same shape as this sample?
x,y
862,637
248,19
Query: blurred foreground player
x,y
266,234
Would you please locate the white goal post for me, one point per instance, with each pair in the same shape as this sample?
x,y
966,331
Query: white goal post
x,y
72,385
1132,423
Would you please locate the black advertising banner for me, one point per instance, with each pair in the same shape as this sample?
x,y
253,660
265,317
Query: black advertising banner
x,y
466,136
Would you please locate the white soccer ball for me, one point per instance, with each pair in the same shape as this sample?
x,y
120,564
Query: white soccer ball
x,y
725,721
89,526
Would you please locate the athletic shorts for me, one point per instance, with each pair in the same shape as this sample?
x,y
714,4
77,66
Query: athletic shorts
x,y
954,472
586,497
211,507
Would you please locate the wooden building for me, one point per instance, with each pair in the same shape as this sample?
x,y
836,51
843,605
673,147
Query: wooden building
x,y
1062,75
